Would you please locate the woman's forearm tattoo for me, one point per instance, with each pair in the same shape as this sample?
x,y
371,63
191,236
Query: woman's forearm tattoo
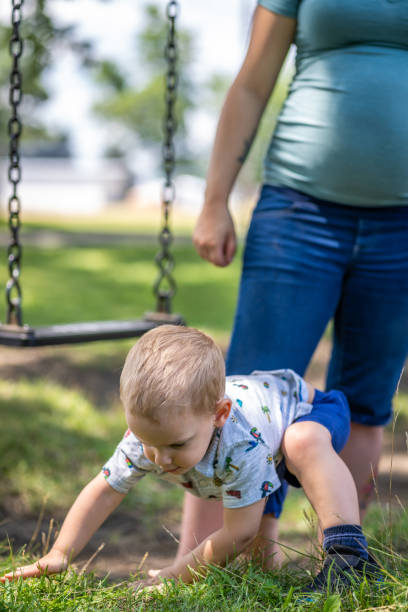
x,y
247,147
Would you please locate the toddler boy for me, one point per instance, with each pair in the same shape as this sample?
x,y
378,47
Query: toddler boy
x,y
233,439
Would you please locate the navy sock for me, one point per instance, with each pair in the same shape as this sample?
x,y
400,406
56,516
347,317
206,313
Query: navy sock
x,y
351,536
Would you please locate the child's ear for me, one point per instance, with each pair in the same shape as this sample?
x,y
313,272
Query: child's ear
x,y
222,412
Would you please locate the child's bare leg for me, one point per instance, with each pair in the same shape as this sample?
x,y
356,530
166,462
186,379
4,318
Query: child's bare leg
x,y
330,487
265,548
324,476
201,517
362,454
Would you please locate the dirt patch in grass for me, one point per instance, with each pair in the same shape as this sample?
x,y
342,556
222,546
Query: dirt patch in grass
x,y
97,379
123,545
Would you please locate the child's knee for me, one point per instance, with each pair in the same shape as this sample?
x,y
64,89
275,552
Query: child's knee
x,y
304,440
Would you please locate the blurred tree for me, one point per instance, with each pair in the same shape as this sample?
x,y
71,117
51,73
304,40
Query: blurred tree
x,y
216,89
41,37
132,98
134,101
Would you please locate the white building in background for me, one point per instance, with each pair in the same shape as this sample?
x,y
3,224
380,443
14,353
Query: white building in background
x,y
189,194
64,186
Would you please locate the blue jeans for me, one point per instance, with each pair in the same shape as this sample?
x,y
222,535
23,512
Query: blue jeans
x,y
308,261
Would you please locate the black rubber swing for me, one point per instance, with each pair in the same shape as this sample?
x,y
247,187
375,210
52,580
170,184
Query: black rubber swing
x,y
14,332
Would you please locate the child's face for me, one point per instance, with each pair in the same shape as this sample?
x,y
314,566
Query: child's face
x,y
177,444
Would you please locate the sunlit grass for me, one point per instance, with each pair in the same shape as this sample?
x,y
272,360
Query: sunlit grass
x,y
80,284
54,441
67,442
57,434
236,588
124,218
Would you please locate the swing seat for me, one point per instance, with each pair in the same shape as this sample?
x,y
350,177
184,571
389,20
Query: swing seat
x,y
73,333
13,334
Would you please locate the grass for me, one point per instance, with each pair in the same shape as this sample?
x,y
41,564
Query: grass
x,y
116,219
108,282
61,448
236,588
62,417
126,218
81,431
116,283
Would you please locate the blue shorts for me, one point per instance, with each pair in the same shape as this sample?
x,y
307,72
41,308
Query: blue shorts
x,y
331,410
308,261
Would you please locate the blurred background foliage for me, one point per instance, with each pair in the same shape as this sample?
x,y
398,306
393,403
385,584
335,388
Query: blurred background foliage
x,y
130,98
41,39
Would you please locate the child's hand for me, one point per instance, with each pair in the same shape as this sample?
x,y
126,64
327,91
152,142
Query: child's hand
x,y
166,573
154,574
52,563
146,584
154,580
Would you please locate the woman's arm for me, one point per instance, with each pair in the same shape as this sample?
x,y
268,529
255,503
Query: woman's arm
x,y
271,37
92,506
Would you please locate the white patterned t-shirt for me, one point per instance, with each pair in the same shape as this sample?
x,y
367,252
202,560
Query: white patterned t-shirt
x,y
239,465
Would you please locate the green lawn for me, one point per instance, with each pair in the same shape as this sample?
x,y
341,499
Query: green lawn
x,y
79,284
233,589
61,419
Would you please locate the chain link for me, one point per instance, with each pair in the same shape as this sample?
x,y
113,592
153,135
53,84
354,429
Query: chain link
x,y
165,286
14,251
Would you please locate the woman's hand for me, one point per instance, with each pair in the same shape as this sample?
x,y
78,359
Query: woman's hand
x,y
52,563
214,235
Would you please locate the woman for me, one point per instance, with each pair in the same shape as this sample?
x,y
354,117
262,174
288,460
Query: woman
x,y
329,235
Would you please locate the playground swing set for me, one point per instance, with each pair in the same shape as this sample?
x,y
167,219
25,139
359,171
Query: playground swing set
x,y
14,332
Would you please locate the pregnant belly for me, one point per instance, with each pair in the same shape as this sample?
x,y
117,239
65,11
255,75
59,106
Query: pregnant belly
x,y
344,127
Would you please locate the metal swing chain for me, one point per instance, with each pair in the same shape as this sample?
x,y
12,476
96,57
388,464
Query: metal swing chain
x,y
165,286
14,251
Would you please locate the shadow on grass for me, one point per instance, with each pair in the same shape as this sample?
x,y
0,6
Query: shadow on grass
x,y
89,284
47,447
53,442
95,376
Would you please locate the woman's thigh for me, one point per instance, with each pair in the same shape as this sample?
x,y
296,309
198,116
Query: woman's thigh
x,y
371,321
294,261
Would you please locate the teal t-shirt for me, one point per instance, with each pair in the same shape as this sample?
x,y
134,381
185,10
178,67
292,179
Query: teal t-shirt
x,y
342,134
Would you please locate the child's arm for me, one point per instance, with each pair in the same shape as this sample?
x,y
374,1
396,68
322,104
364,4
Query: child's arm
x,y
240,527
92,506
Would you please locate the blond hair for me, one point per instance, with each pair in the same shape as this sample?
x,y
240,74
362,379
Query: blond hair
x,y
170,369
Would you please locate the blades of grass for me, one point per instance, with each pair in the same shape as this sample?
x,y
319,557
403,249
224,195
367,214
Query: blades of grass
x,y
48,538
142,562
288,599
91,558
173,537
332,604
38,525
